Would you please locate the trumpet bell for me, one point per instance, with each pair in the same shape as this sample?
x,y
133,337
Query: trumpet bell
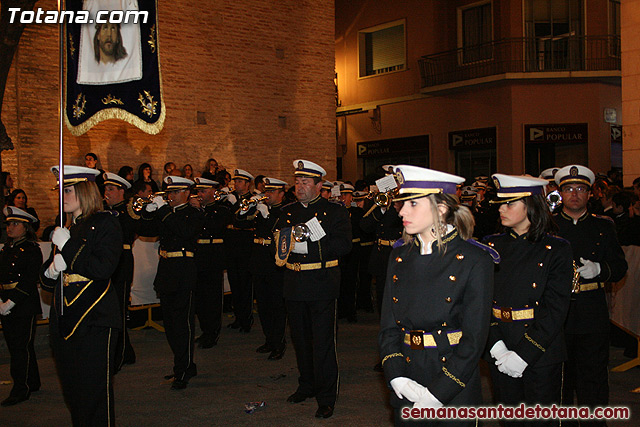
x,y
301,233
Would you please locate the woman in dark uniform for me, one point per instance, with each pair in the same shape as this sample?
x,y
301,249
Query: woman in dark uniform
x,y
437,300
20,302
531,298
84,330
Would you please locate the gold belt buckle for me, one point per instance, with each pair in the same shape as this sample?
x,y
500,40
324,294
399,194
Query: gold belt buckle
x,y
417,340
297,266
505,314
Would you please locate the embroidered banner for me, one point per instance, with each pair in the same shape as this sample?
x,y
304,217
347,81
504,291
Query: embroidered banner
x,y
112,65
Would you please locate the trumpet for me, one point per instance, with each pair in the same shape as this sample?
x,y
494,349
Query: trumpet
x,y
219,194
301,233
139,203
575,282
246,204
384,200
553,200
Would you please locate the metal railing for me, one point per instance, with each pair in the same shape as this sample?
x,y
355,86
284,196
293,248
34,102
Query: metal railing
x,y
521,55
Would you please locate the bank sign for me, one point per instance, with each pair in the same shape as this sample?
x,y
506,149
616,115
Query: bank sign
x,y
473,138
557,133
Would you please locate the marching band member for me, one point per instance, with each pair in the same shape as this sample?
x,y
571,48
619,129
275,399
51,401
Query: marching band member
x,y
435,321
312,284
367,241
114,189
531,298
350,262
178,225
85,314
238,243
20,302
210,260
600,259
267,276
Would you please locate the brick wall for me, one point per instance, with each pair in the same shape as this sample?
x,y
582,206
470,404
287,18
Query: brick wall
x,y
217,57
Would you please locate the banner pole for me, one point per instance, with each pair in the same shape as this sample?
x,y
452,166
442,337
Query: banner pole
x,y
60,138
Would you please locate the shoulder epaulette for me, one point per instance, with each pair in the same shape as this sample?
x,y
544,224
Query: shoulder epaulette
x,y
561,239
488,237
495,256
606,218
398,243
110,212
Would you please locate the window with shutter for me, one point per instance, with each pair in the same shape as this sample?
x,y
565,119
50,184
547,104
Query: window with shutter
x,y
382,49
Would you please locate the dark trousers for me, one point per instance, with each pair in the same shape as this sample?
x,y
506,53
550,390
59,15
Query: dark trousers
x,y
313,335
364,300
271,308
241,290
538,385
85,364
178,320
209,289
19,333
348,284
586,372
121,280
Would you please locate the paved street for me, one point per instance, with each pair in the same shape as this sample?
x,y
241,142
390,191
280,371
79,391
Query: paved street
x,y
233,373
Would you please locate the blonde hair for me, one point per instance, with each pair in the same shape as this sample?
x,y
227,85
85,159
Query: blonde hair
x,y
456,214
89,197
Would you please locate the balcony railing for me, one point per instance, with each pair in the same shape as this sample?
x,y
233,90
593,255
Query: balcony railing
x,y
521,55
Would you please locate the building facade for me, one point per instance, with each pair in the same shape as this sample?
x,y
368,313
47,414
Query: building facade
x,y
476,87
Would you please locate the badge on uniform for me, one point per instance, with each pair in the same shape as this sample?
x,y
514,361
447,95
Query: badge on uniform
x,y
284,238
416,340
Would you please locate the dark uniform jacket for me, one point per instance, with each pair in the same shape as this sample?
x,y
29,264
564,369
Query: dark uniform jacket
x,y
386,226
262,261
592,237
217,216
438,294
178,229
323,283
92,255
532,275
128,220
19,264
239,236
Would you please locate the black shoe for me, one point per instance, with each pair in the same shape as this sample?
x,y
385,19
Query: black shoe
x,y
378,367
169,377
277,354
297,397
234,325
324,411
179,384
208,341
129,361
264,348
14,400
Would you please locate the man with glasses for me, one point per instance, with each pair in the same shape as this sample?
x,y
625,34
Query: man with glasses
x,y
598,258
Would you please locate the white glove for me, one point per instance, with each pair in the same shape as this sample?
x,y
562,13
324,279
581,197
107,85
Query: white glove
x,y
151,207
57,265
5,307
159,201
231,198
407,388
60,236
428,400
511,364
263,209
589,269
498,350
300,248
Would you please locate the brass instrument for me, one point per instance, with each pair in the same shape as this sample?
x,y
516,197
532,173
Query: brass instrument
x,y
301,233
246,204
553,200
219,194
575,282
139,203
384,200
